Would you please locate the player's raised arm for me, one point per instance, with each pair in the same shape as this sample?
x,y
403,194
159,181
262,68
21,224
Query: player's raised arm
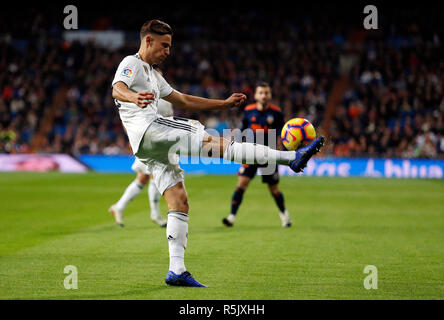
x,y
122,93
190,102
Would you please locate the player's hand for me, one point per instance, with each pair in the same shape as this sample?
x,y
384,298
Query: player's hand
x,y
143,99
235,100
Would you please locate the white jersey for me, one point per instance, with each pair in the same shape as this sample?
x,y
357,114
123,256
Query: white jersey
x,y
139,76
165,108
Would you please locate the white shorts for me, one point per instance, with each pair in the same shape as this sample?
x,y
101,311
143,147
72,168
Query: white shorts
x,y
139,166
163,141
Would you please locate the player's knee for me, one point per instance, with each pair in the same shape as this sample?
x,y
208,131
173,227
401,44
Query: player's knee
x,y
274,190
180,204
243,184
143,179
177,198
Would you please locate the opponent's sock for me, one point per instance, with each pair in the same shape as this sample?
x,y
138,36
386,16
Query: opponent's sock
x,y
177,235
130,193
280,201
252,153
236,200
154,198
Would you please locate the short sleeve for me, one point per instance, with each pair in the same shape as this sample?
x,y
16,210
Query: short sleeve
x,y
164,87
127,70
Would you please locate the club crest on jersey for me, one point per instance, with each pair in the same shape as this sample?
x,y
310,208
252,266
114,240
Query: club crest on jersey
x,y
127,72
270,119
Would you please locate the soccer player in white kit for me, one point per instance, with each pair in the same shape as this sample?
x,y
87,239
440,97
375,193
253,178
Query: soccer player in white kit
x,y
156,140
165,109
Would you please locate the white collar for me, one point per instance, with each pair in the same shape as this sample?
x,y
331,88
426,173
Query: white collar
x,y
138,57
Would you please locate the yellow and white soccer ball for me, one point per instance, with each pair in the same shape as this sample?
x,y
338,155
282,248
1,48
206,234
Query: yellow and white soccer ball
x,y
297,132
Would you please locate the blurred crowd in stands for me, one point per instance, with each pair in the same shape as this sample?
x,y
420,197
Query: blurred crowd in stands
x,y
393,106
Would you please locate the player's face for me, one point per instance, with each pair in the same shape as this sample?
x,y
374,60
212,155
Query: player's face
x,y
159,48
263,95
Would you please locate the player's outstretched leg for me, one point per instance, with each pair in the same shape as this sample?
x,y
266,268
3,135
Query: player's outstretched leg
x,y
177,235
154,198
252,153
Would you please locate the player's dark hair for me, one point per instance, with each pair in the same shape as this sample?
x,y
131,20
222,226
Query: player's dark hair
x,y
262,84
155,26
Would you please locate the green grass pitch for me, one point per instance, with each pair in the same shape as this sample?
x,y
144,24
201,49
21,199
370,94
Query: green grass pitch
x,y
340,225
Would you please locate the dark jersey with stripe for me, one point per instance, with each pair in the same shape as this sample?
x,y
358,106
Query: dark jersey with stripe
x,y
262,121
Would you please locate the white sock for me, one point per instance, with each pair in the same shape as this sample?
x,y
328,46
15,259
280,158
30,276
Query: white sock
x,y
130,193
177,235
252,153
154,198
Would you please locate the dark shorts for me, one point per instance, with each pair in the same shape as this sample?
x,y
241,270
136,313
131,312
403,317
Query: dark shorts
x,y
250,171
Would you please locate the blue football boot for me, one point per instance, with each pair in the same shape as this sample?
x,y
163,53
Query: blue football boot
x,y
305,153
185,280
